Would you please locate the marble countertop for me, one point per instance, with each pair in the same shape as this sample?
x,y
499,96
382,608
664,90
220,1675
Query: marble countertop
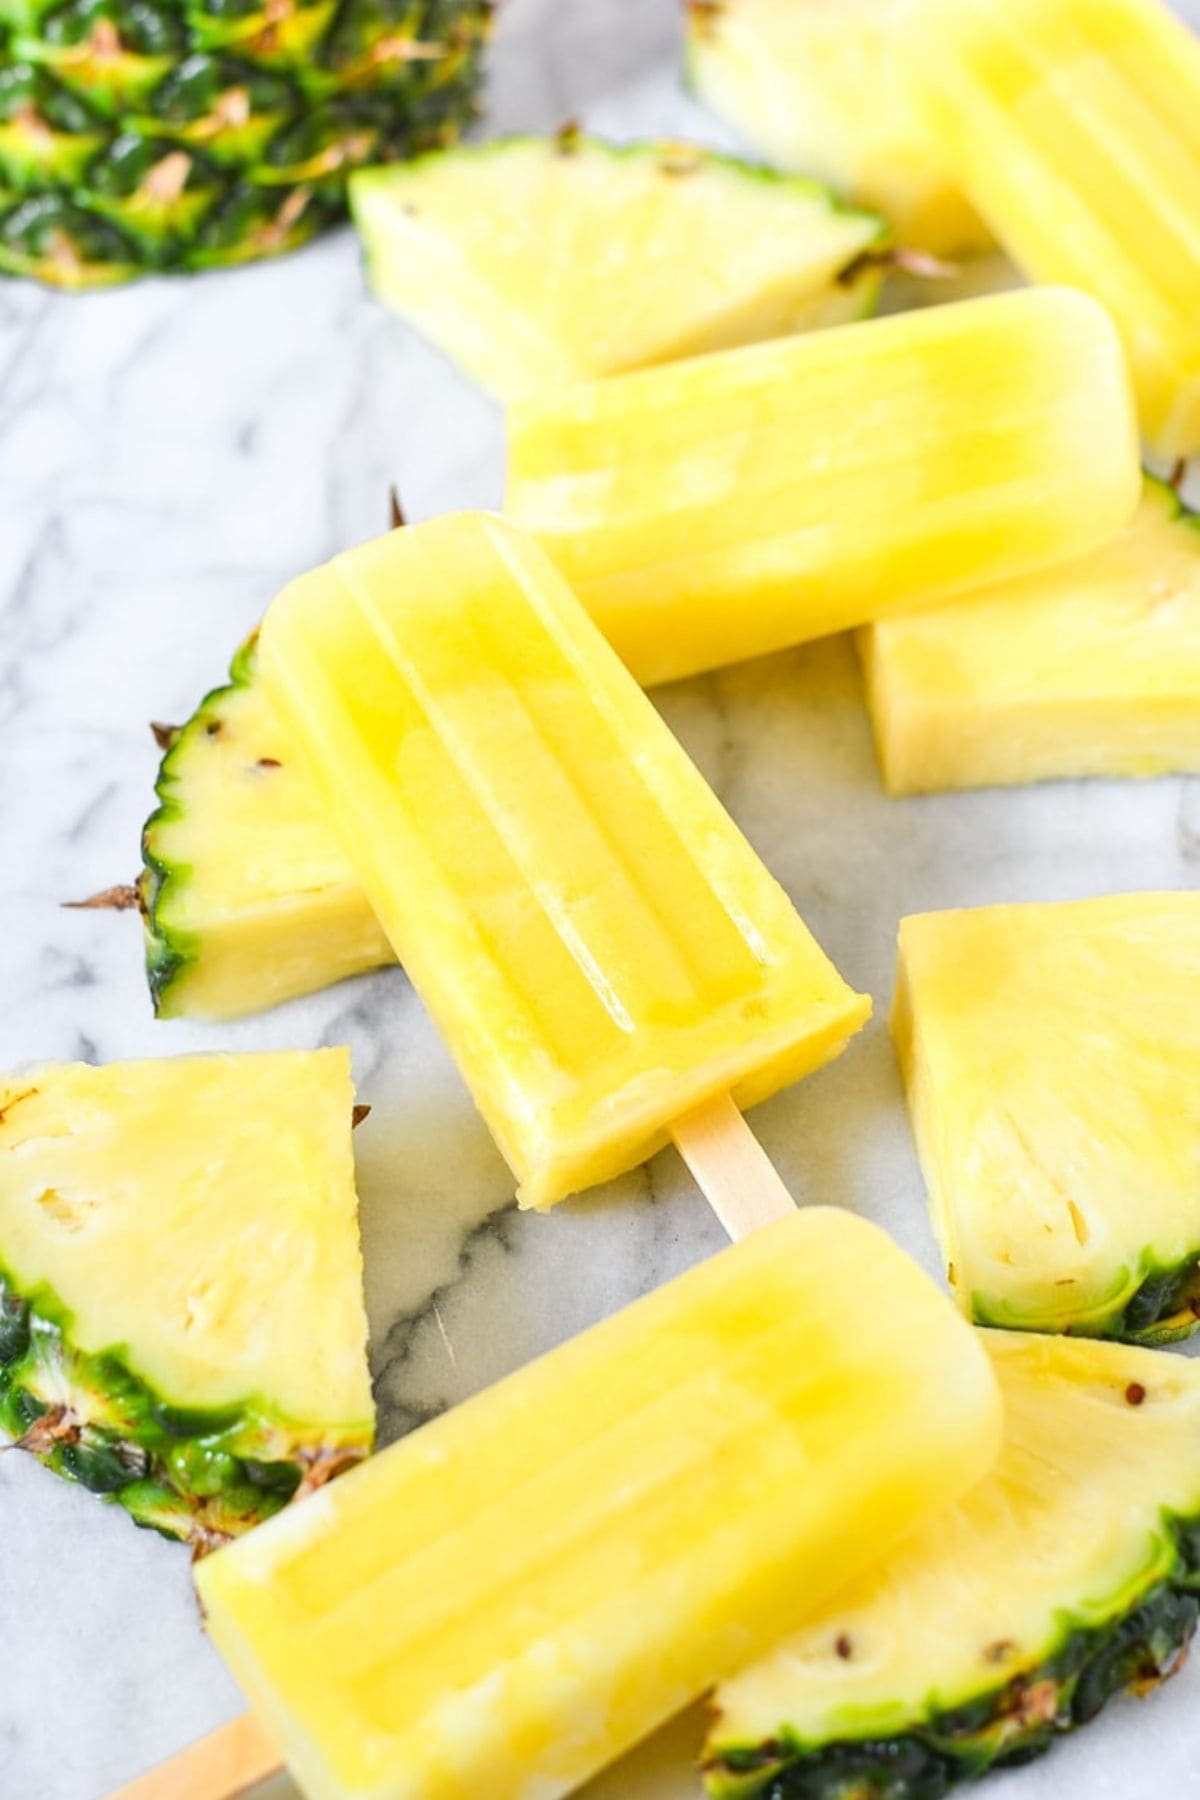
x,y
171,453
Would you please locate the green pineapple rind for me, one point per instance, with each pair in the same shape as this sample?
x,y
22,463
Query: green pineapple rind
x,y
1009,1724
141,135
203,1476
197,962
171,952
1162,1308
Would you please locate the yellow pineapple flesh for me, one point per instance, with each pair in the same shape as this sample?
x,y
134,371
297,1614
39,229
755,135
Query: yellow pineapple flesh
x,y
1052,1054
1092,668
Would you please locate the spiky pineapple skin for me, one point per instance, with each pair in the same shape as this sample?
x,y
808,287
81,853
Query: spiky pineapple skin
x,y
200,1476
143,135
197,972
1018,1721
169,951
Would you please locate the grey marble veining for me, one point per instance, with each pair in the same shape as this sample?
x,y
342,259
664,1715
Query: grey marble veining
x,y
169,455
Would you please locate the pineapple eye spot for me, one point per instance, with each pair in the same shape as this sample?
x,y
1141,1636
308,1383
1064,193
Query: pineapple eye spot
x,y
1135,1393
196,1308
15,1100
843,1647
72,1215
1162,596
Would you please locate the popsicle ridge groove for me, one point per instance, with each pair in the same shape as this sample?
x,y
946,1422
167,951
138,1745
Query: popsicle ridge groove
x,y
1076,79
568,1033
591,816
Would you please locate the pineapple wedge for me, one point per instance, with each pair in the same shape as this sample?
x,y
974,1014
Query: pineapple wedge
x,y
813,85
1052,1054
1088,669
1066,1576
245,893
181,1312
539,262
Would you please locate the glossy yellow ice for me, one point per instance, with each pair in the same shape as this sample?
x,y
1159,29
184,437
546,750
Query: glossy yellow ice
x,y
600,946
1074,126
506,1600
1091,668
735,504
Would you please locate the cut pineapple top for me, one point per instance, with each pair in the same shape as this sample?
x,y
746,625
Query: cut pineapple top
x,y
814,85
1017,1601
247,894
1092,668
196,1218
1053,1061
542,261
193,134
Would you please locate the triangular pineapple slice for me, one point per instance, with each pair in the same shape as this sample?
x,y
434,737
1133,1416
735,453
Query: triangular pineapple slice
x,y
1053,1062
1068,1575
813,84
542,261
246,895
181,1312
1088,669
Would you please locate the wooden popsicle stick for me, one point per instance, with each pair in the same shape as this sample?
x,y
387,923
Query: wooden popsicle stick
x,y
732,1170
220,1767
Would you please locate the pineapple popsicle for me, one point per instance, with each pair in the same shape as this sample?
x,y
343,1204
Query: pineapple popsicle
x,y
601,948
1074,126
735,504
509,1598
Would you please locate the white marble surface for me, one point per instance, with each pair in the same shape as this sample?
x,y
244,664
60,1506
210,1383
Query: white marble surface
x,y
168,455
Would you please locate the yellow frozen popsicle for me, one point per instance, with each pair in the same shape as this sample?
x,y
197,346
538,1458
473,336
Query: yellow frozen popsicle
x,y
1074,126
506,1600
734,504
600,946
